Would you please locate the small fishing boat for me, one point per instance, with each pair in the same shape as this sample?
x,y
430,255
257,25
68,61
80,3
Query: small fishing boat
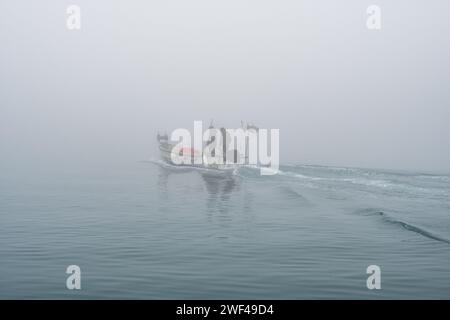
x,y
197,159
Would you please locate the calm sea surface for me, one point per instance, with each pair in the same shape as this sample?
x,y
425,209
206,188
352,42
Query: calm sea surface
x,y
148,231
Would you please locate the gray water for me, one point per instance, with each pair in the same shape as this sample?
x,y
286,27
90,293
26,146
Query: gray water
x,y
148,231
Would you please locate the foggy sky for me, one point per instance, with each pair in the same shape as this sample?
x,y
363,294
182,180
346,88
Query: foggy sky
x,y
340,94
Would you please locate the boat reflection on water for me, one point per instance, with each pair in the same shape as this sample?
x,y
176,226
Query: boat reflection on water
x,y
218,186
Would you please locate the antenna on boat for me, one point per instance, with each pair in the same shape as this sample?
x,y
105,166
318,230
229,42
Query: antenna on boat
x,y
211,124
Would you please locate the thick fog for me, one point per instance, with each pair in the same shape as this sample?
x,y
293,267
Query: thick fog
x,y
341,94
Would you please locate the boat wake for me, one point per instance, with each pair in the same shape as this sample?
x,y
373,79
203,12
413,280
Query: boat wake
x,y
316,186
407,226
